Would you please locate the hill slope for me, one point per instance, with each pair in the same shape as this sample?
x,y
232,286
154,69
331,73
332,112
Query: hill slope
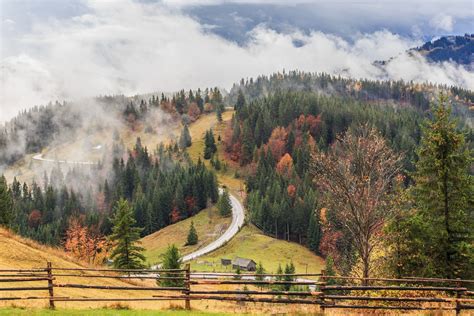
x,y
21,253
251,243
209,226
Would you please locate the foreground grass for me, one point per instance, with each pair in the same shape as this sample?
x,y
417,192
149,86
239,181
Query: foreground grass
x,y
100,312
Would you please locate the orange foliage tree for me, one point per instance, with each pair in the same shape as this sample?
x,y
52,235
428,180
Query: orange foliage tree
x,y
193,111
85,245
285,166
277,142
34,219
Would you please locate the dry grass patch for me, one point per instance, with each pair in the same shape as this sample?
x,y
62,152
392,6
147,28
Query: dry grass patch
x,y
251,243
209,226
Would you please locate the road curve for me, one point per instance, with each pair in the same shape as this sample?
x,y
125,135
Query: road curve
x,y
39,157
238,217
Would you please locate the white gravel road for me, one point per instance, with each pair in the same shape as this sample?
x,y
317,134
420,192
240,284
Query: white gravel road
x,y
238,217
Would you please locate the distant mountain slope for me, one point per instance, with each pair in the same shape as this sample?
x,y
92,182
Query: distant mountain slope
x,y
459,49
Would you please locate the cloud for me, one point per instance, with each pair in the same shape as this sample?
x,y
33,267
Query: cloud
x,y
442,22
137,48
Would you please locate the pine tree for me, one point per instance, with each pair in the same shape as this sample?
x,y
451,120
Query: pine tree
x,y
192,236
289,270
314,233
240,101
443,196
279,277
6,203
185,138
209,144
259,271
219,110
126,254
330,270
171,261
224,205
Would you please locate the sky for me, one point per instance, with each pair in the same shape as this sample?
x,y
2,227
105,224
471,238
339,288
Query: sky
x,y
69,49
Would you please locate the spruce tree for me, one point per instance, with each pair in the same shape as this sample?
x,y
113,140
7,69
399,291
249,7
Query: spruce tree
x,y
279,277
330,270
441,231
219,110
126,254
289,270
171,261
209,144
6,203
314,233
185,138
259,271
224,205
192,236
240,101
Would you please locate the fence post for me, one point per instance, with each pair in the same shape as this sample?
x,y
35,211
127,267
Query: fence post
x,y
321,287
188,287
50,285
458,296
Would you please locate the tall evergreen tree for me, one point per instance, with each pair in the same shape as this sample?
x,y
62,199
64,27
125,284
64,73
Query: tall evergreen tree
x,y
185,138
439,234
209,144
6,203
314,233
240,101
126,253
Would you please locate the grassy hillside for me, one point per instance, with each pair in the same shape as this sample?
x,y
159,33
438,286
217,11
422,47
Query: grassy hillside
x,y
198,130
208,223
21,253
251,243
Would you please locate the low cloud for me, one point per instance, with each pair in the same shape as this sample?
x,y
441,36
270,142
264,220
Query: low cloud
x,y
442,22
137,48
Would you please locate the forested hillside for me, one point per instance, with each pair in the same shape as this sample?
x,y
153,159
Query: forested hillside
x,y
275,139
396,93
291,136
162,189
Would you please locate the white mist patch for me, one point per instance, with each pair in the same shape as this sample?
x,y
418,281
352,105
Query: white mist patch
x,y
135,48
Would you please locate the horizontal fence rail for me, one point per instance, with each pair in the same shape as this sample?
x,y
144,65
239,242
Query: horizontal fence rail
x,y
326,291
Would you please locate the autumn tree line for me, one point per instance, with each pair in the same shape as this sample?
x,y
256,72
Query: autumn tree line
x,y
371,187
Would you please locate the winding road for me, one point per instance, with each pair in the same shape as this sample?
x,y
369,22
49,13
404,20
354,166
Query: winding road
x,y
39,157
238,217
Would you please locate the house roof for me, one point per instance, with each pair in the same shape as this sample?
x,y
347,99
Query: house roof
x,y
242,262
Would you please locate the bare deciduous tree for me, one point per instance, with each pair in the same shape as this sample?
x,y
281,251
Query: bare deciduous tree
x,y
355,177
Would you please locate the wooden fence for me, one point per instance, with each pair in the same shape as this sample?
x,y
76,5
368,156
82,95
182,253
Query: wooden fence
x,y
182,284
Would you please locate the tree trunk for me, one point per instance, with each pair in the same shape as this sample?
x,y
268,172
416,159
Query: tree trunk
x,y
365,262
448,228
